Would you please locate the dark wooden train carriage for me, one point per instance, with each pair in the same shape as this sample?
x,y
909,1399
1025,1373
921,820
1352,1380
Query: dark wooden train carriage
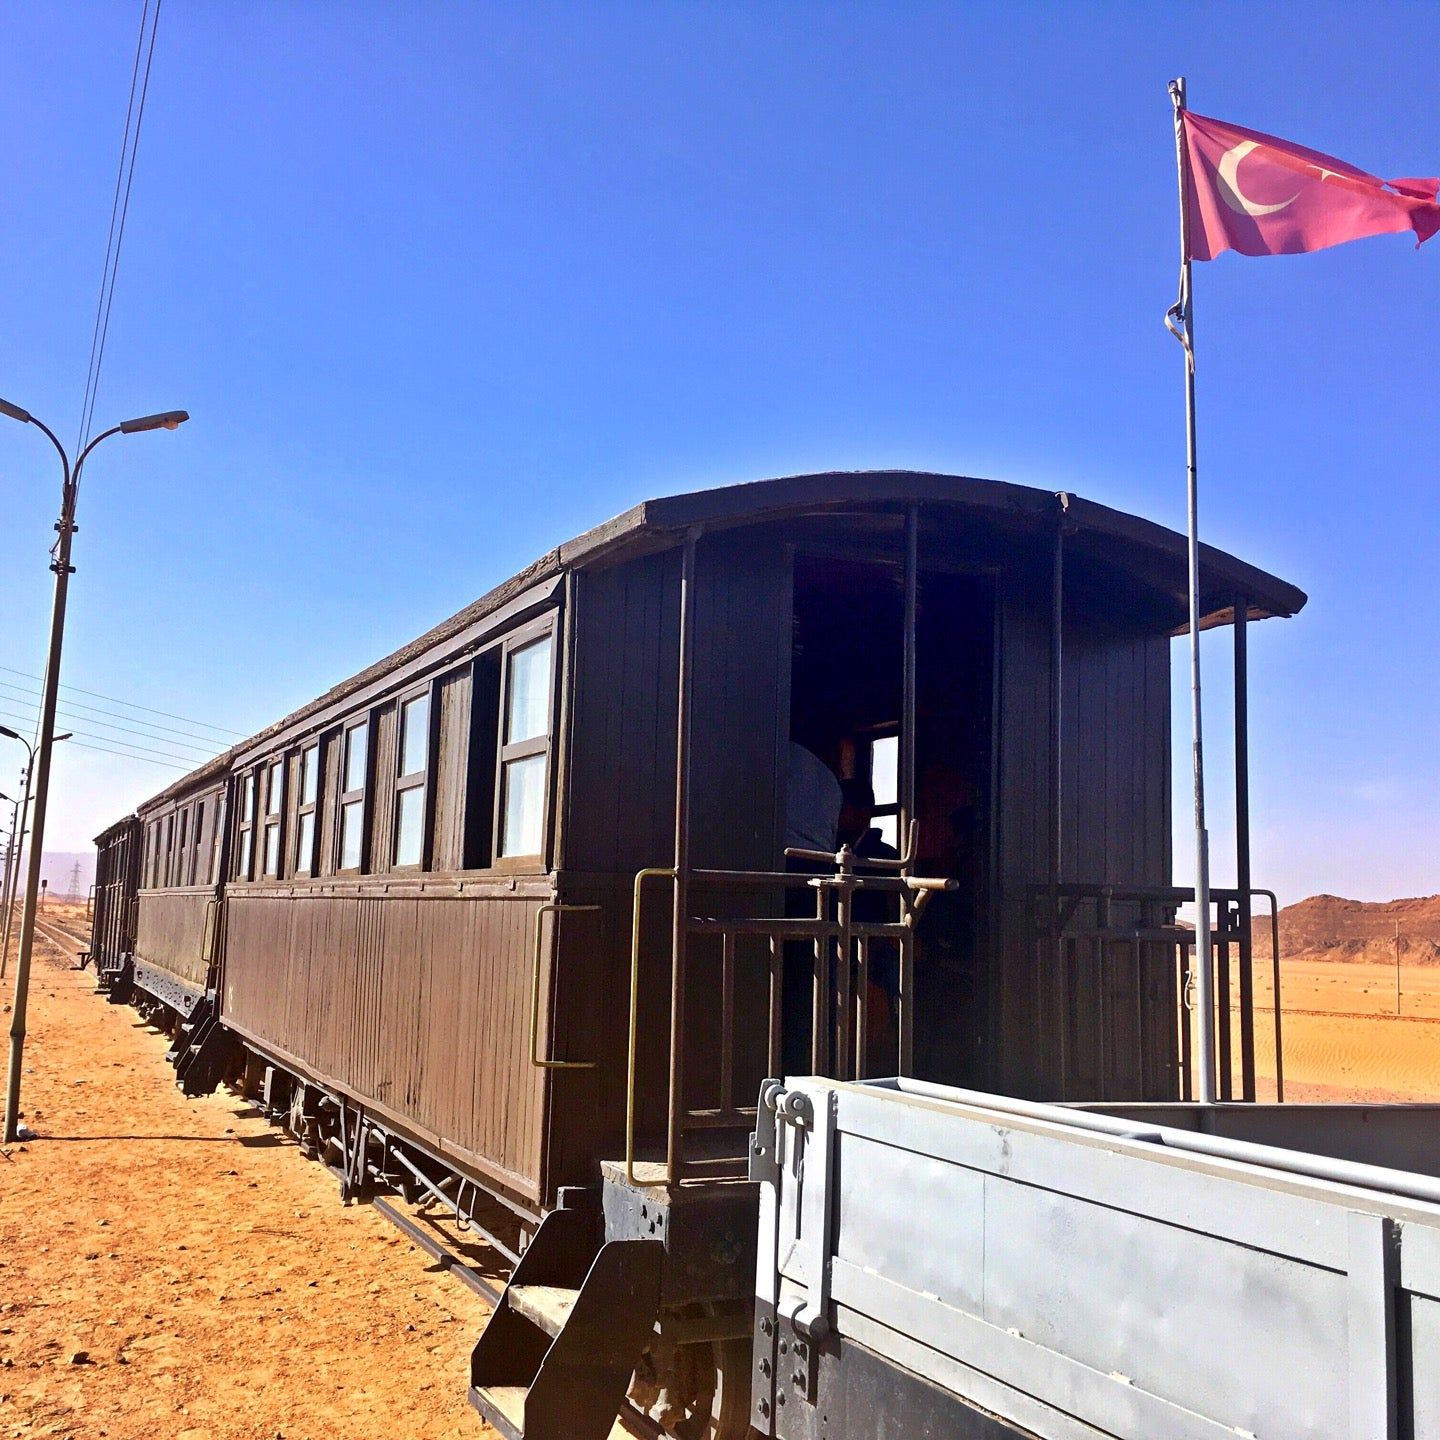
x,y
390,853
177,922
117,875
995,662
434,868
845,774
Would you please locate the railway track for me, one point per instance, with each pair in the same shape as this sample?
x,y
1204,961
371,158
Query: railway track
x,y
64,940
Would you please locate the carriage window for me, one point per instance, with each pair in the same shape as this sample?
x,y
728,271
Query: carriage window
x,y
247,827
274,798
352,799
305,821
180,848
414,758
217,833
525,752
192,865
885,781
527,711
165,870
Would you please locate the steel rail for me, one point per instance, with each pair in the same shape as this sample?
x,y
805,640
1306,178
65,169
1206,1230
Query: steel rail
x,y
449,1261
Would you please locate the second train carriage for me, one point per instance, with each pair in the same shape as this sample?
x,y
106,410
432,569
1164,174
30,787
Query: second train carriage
x,y
112,927
537,902
177,914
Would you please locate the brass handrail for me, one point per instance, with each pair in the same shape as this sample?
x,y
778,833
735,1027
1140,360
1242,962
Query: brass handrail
x,y
549,908
641,877
209,930
914,892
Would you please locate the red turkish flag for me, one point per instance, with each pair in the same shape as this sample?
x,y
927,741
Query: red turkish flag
x,y
1261,196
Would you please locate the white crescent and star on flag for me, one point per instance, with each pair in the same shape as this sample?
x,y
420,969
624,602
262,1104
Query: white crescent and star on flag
x,y
1229,172
1259,195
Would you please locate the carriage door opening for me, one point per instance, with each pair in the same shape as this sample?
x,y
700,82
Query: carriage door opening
x,y
846,697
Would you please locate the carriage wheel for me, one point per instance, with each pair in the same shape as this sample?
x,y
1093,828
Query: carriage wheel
x,y
703,1392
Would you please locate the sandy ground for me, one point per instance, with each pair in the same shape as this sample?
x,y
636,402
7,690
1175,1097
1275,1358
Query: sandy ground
x,y
175,1268
1343,1040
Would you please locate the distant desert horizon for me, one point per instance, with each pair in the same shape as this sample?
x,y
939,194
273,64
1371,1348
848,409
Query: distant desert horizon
x,y
1332,928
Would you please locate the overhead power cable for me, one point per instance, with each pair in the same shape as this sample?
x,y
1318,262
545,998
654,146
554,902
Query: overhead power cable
x,y
179,747
189,740
125,755
185,761
119,211
128,704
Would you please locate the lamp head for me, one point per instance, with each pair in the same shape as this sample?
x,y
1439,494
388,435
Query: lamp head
x,y
166,420
14,412
68,735
8,733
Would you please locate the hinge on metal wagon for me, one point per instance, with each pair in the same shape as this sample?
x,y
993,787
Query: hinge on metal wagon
x,y
764,1165
813,1245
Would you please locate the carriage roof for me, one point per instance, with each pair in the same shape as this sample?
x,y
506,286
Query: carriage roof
x,y
1151,553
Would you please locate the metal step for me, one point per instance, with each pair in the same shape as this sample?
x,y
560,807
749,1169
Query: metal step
x,y
555,1357
204,1061
503,1407
190,1030
547,1306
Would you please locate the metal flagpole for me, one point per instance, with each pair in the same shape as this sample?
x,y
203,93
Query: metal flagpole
x,y
1181,321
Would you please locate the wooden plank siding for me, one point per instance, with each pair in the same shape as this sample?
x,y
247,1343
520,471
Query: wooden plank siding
x,y
332,750
620,812
416,1003
451,768
117,874
177,884
383,736
618,819
1115,829
170,931
407,990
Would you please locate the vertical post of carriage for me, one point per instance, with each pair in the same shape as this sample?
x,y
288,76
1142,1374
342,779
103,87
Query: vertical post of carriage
x,y
1183,324
907,778
679,919
1060,978
1242,847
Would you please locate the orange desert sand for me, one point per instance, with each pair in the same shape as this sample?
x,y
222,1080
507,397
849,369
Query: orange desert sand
x,y
176,1268
1349,1033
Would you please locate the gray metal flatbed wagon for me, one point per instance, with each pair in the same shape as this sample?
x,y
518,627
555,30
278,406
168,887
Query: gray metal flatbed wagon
x,y
941,1262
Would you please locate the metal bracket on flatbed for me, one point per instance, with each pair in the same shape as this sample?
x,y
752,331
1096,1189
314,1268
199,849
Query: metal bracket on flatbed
x,y
808,1259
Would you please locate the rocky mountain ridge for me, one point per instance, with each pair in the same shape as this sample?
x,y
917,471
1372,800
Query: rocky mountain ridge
x,y
1330,927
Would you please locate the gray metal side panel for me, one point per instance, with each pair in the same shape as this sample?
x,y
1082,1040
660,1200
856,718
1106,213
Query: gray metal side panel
x,y
1082,1284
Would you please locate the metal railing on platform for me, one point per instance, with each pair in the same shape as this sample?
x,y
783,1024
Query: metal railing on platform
x,y
1121,948
840,950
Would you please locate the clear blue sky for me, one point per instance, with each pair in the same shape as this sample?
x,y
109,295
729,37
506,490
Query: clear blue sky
x,y
444,284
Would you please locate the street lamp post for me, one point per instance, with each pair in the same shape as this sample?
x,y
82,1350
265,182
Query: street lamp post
x,y
12,873
5,897
65,528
